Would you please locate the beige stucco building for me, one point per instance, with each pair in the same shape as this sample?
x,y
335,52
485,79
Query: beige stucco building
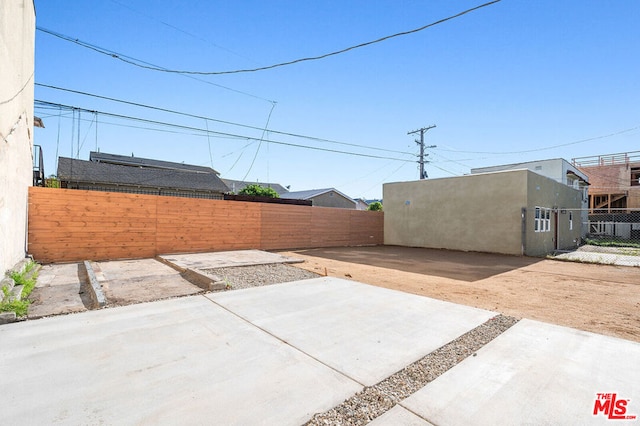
x,y
17,35
515,212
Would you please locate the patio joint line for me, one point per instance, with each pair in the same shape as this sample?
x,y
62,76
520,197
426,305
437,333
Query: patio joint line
x,y
284,341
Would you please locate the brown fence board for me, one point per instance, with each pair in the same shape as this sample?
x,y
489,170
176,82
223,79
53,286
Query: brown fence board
x,y
285,226
73,225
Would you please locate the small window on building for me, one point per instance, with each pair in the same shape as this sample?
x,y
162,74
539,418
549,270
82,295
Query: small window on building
x,y
542,220
635,176
570,221
547,220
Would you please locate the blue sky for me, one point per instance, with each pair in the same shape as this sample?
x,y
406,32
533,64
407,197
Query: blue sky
x,y
537,79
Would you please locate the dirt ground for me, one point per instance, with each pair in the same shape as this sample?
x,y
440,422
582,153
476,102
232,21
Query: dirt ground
x,y
603,299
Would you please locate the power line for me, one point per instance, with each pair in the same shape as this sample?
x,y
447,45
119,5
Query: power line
x,y
422,131
153,129
260,142
545,148
180,30
220,121
204,131
132,61
387,176
444,170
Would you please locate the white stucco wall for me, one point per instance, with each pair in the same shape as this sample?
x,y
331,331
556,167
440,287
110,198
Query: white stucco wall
x,y
17,35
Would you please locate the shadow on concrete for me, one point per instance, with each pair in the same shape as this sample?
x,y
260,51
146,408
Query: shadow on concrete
x,y
457,265
83,291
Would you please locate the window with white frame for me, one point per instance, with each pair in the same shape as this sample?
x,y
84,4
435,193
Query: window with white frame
x,y
570,221
542,219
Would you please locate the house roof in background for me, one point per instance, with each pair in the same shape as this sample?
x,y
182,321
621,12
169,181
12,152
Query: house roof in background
x,y
125,160
238,185
72,170
311,193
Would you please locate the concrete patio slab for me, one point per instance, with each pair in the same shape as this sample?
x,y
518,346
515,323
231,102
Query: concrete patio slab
x,y
365,332
179,361
133,281
59,290
225,259
399,416
535,373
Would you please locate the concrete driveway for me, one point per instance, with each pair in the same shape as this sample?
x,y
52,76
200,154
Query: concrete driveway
x,y
279,354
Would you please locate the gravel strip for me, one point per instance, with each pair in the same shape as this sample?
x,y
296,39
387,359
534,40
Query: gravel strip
x,y
375,400
239,277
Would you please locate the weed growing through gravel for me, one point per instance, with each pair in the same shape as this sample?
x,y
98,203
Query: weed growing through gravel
x,y
20,306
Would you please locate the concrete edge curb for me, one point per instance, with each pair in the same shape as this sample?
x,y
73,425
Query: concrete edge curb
x,y
95,289
9,284
195,276
203,280
170,264
8,317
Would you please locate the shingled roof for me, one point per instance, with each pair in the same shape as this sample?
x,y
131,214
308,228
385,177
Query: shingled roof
x,y
308,194
124,160
94,172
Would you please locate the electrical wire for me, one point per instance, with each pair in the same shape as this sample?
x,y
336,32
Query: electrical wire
x,y
387,177
180,30
179,126
206,122
132,61
260,143
444,170
246,126
148,65
110,123
545,148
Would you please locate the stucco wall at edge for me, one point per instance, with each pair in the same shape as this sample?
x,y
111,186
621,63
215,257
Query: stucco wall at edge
x,y
17,34
546,193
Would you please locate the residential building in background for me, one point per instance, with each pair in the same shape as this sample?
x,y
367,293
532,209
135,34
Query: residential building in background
x,y
120,173
327,197
17,41
614,179
557,169
361,204
562,172
235,186
614,195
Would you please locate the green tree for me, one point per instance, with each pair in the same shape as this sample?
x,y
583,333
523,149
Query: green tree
x,y
258,191
52,182
376,206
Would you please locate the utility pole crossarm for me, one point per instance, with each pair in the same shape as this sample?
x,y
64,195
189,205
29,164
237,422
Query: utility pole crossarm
x,y
422,131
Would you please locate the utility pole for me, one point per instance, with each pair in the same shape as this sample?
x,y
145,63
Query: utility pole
x,y
422,131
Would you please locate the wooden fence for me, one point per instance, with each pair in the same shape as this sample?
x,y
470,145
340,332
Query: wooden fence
x,y
72,225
